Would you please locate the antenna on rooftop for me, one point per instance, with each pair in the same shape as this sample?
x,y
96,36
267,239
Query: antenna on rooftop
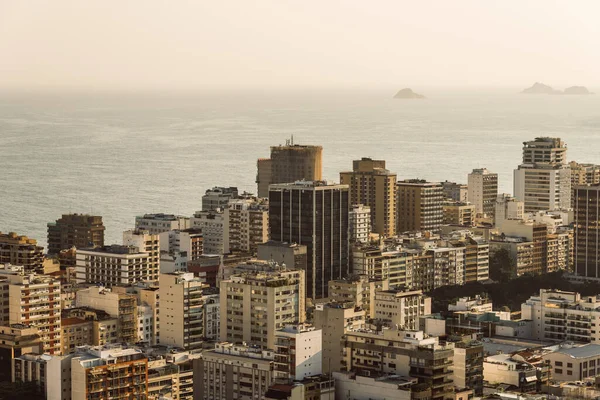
x,y
292,140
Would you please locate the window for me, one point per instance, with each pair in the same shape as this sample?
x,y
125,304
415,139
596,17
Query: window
x,y
558,371
558,363
569,372
569,365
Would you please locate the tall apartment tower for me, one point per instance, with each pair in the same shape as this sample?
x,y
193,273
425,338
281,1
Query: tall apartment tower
x,y
483,191
181,310
75,230
374,186
248,220
21,250
359,223
146,243
587,230
420,205
583,174
543,180
289,163
314,214
218,197
257,300
33,300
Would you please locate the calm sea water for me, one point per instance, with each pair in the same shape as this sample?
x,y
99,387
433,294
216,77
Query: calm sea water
x,y
121,155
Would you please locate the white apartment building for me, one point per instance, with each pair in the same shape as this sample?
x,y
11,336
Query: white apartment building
x,y
159,223
306,360
563,316
574,363
34,300
483,190
149,244
215,230
112,265
401,309
543,180
189,242
359,223
218,198
507,207
181,310
259,300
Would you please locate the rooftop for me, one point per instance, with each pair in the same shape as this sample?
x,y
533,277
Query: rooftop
x,y
585,351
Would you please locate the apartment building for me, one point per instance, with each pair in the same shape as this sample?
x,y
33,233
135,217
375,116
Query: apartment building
x,y
359,224
373,185
182,310
248,219
334,319
483,191
149,244
587,232
109,372
290,254
215,230
574,363
507,207
76,332
156,224
21,250
419,205
400,308
258,300
298,352
179,242
289,163
467,368
171,375
543,180
358,289
405,353
218,198
459,213
106,328
16,340
458,192
314,214
113,265
233,372
121,306
33,300
583,175
75,230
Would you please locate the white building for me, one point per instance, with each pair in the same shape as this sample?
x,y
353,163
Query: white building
x,y
215,230
189,242
476,304
306,360
212,316
543,180
112,265
574,363
507,207
483,190
359,223
218,197
146,243
159,223
563,316
400,308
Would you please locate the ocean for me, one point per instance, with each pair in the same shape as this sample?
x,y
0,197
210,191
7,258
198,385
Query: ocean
x,y
123,154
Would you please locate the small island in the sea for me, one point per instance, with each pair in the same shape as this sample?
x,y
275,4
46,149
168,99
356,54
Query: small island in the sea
x,y
540,88
407,93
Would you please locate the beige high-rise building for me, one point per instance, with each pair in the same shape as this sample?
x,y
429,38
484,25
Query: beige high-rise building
x,y
248,219
459,213
122,306
21,250
397,307
182,310
581,175
335,319
420,205
483,191
258,299
149,244
34,300
289,163
374,186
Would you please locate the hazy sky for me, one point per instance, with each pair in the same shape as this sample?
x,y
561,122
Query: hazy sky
x,y
156,44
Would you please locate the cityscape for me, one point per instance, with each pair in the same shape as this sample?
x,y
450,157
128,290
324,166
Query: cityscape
x,y
370,287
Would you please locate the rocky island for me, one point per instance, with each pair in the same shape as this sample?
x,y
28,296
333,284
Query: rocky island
x,y
407,93
540,88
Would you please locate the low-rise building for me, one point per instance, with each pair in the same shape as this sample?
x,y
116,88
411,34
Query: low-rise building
x,y
401,308
113,265
504,369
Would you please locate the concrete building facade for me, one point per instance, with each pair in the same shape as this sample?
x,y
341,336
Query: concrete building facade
x,y
75,230
483,191
419,205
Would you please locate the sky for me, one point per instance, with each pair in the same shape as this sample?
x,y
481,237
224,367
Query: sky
x,y
133,44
